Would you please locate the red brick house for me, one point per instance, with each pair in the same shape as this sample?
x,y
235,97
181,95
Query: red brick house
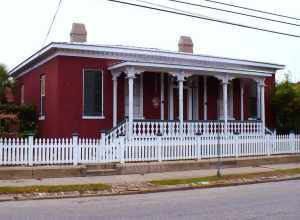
x,y
84,88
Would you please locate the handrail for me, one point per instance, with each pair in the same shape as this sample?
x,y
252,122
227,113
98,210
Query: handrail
x,y
268,131
116,127
192,121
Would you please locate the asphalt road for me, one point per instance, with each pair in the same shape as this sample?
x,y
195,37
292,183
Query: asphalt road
x,y
261,201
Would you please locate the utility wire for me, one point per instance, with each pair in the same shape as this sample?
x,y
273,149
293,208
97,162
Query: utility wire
x,y
252,9
192,15
234,12
52,22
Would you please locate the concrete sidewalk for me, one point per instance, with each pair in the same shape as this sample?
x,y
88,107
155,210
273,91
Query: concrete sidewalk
x,y
137,178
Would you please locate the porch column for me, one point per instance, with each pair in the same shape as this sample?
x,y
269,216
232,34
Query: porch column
x,y
263,116
171,99
130,77
225,105
115,98
162,97
205,97
242,99
180,79
258,99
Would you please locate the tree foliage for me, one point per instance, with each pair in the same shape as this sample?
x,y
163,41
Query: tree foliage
x,y
5,82
286,106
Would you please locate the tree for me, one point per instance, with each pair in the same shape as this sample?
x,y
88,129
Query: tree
x,y
5,82
286,105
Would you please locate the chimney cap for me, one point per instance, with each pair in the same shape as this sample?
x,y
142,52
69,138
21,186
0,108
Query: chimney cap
x,y
185,44
78,33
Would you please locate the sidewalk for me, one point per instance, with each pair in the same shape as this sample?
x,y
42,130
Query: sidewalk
x,y
137,178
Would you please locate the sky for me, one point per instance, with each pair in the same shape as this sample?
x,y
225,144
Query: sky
x,y
24,25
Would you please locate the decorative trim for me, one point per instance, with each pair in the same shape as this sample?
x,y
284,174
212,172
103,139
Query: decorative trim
x,y
134,53
176,69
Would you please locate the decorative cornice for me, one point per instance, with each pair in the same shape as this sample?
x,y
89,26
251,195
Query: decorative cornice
x,y
140,55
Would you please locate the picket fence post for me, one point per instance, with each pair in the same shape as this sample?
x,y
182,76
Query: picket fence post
x,y
236,145
122,147
159,146
30,149
75,149
292,143
269,144
198,145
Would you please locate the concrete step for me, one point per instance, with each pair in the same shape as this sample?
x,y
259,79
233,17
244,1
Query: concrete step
x,y
102,172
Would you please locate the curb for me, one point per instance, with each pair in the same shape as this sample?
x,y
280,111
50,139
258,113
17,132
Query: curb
x,y
174,189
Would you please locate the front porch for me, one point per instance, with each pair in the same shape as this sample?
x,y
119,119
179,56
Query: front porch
x,y
160,99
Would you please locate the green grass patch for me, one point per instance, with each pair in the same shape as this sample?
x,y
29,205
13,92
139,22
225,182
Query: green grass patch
x,y
53,188
214,179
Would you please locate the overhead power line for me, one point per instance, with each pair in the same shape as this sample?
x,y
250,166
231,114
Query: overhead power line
x,y
252,9
234,12
193,15
52,22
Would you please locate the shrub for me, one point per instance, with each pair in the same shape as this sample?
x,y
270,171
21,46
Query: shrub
x,y
26,117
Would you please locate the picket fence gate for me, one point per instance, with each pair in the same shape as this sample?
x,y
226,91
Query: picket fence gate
x,y
40,151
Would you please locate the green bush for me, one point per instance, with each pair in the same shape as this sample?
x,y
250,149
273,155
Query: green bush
x,y
26,115
286,106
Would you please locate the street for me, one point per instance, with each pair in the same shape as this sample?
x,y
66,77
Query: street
x,y
279,200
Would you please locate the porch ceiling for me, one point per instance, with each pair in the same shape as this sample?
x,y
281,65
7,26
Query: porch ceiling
x,y
190,69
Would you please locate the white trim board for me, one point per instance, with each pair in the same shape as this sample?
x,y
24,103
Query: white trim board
x,y
162,67
133,53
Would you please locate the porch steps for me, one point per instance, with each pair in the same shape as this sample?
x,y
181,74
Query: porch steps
x,y
101,170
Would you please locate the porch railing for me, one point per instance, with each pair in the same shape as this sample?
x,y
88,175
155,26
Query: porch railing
x,y
150,128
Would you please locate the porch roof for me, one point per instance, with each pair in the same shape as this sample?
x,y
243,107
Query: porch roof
x,y
191,69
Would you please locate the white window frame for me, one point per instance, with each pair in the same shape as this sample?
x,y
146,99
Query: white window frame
x,y
42,94
22,94
102,103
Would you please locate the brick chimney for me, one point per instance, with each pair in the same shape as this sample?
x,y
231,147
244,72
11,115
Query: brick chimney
x,y
78,33
185,44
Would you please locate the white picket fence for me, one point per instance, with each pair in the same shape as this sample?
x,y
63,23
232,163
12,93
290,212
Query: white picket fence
x,y
30,151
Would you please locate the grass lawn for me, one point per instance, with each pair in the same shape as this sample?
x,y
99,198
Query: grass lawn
x,y
53,188
213,179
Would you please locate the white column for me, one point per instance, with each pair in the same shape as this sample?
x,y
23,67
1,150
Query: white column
x,y
225,104
162,97
263,116
205,97
190,103
242,99
141,95
180,79
196,100
258,100
115,99
171,99
130,77
180,84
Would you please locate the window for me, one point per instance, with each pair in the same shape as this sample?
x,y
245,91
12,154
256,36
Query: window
x,y
252,99
92,94
22,94
43,94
